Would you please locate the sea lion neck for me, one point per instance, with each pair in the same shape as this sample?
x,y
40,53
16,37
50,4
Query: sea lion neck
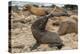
x,y
41,22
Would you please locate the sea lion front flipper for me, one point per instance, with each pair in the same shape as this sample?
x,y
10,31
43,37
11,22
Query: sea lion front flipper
x,y
35,46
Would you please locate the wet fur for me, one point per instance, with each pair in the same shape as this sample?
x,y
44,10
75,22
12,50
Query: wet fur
x,y
45,37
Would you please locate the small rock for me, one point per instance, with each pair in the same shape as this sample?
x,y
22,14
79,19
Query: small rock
x,y
66,48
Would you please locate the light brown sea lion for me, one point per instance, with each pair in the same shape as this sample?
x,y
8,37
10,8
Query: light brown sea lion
x,y
35,10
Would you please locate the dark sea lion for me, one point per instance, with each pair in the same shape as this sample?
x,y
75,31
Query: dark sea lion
x,y
43,36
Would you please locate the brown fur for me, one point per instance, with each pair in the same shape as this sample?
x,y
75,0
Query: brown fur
x,y
43,36
36,10
68,26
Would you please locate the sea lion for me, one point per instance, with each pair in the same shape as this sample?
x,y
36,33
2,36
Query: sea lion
x,y
39,11
68,26
43,36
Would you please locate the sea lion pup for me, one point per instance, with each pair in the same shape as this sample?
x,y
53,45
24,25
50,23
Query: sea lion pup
x,y
68,25
35,10
43,36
